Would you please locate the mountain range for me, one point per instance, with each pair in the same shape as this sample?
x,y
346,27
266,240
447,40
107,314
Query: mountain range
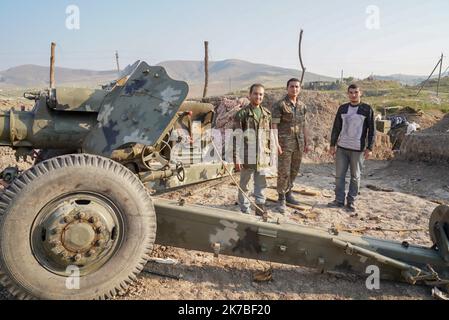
x,y
224,76
411,80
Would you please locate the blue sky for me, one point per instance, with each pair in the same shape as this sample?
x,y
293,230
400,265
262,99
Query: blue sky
x,y
412,34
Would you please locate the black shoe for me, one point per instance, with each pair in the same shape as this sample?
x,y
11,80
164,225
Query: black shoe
x,y
335,204
260,210
291,200
350,207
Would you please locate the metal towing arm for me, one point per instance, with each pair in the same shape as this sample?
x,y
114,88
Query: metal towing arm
x,y
228,233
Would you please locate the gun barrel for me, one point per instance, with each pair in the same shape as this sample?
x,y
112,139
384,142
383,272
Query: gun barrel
x,y
60,130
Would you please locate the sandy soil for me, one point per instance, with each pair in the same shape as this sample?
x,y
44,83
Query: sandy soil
x,y
201,276
196,275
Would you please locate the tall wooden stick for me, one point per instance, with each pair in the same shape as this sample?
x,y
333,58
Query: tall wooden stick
x,y
206,68
439,75
300,57
52,66
116,60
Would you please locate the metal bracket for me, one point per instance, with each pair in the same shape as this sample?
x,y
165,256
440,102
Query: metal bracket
x,y
410,273
267,233
216,247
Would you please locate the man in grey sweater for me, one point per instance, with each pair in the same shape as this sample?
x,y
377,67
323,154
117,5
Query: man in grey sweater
x,y
352,141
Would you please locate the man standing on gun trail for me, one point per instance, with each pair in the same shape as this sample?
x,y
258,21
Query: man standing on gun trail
x,y
352,141
289,118
252,129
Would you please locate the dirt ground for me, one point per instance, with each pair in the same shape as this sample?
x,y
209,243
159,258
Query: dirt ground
x,y
197,275
201,276
416,189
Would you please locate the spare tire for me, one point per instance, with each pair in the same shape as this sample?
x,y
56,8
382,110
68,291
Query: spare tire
x,y
74,227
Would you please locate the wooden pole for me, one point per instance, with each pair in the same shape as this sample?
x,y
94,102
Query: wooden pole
x,y
52,66
424,83
439,75
116,60
206,68
300,57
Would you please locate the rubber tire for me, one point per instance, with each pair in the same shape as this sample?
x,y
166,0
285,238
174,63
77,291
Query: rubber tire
x,y
47,154
440,214
20,203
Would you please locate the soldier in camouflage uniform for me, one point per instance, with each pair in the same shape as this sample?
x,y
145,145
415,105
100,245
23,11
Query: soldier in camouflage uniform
x,y
289,118
252,127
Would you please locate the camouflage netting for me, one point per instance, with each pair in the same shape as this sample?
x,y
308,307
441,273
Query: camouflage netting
x,y
321,114
430,145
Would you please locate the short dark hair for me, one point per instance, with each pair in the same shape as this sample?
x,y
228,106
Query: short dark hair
x,y
256,85
293,80
353,86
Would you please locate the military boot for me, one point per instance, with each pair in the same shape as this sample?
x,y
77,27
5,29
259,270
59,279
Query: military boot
x,y
282,206
260,210
291,200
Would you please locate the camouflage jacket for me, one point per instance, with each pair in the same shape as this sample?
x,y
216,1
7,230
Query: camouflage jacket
x,y
252,139
291,122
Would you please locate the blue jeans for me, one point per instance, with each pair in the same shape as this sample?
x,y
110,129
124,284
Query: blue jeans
x,y
354,161
260,183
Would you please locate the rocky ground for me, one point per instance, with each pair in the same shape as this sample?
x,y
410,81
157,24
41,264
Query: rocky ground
x,y
199,275
415,190
195,275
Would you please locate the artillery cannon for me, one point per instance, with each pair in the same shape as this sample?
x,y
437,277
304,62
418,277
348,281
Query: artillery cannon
x,y
84,209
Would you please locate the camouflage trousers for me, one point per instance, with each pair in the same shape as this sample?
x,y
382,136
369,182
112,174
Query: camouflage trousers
x,y
289,163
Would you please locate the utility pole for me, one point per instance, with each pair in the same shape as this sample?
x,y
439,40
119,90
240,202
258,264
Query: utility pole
x,y
116,60
439,75
341,78
206,67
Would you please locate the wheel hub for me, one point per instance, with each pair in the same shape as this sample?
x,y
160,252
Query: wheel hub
x,y
78,231
78,237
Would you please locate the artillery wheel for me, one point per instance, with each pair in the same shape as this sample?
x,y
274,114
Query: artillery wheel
x,y
440,218
439,215
74,227
46,154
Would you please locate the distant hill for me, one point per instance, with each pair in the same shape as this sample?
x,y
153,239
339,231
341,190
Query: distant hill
x,y
410,80
38,76
224,76
233,75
